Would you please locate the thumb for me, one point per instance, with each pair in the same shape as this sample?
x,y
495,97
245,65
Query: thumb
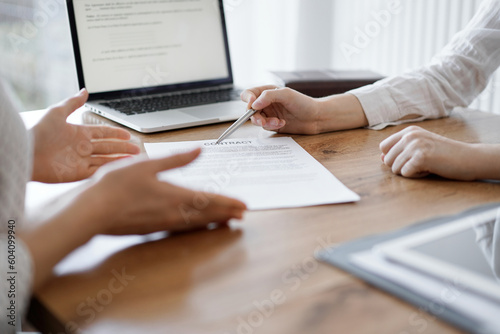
x,y
249,97
175,161
68,106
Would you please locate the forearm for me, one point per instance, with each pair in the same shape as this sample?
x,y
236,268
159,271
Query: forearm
x,y
485,161
51,241
340,112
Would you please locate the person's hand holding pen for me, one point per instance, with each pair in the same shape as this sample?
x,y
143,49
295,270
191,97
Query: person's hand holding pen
x,y
282,109
287,111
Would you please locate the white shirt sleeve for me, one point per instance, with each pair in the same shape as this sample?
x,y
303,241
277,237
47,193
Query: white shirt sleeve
x,y
454,78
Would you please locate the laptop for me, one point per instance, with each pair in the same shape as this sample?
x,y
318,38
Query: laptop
x,y
155,65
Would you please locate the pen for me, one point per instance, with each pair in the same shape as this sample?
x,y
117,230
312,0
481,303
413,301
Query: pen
x,y
236,125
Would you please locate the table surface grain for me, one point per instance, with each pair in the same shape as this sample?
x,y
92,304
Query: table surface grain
x,y
259,275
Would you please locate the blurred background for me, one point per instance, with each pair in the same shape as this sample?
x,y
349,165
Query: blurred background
x,y
385,36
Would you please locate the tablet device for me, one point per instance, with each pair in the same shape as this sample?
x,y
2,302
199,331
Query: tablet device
x,y
461,251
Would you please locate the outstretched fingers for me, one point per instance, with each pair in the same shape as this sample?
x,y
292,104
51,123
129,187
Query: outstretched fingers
x,y
198,209
175,161
107,132
108,147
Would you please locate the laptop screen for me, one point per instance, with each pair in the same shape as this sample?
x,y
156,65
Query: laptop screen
x,y
139,44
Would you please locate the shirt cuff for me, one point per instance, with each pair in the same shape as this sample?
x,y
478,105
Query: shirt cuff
x,y
380,108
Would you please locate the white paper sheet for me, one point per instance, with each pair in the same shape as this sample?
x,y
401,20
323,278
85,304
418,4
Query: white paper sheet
x,y
265,173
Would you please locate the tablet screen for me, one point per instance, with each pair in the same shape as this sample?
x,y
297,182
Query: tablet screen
x,y
460,249
465,251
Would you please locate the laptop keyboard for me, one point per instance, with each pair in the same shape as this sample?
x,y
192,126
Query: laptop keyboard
x,y
148,104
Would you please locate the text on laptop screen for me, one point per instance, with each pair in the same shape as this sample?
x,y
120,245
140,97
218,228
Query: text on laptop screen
x,y
144,43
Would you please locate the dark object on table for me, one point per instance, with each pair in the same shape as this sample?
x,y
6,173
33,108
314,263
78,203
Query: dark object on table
x,y
319,83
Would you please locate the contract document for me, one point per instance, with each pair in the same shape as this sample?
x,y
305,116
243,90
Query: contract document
x,y
268,173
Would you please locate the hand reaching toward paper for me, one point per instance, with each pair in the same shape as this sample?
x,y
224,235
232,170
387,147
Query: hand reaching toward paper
x,y
134,195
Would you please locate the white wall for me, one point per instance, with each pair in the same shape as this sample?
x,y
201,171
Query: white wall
x,y
266,35
393,36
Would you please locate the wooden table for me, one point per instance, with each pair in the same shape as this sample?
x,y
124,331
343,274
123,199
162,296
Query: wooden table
x,y
259,275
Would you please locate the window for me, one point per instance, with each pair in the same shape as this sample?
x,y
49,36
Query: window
x,y
35,49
